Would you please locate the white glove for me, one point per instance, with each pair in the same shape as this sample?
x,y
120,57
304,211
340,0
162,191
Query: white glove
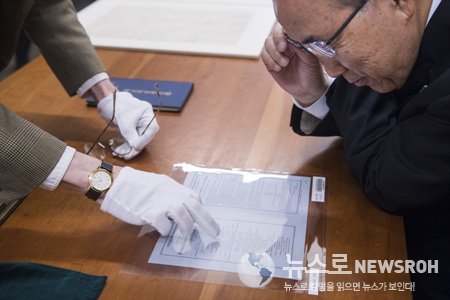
x,y
140,198
131,117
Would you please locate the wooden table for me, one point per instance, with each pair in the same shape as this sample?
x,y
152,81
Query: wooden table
x,y
236,117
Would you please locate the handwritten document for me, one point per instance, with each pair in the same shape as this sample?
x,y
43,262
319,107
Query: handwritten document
x,y
194,27
256,212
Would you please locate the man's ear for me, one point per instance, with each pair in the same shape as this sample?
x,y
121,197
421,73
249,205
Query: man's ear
x,y
406,7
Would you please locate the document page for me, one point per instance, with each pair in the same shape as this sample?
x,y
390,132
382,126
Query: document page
x,y
225,28
260,216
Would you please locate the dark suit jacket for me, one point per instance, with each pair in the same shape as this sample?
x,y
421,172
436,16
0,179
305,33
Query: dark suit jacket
x,y
28,154
53,26
397,145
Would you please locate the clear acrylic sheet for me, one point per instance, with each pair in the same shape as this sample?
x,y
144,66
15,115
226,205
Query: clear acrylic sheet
x,y
269,236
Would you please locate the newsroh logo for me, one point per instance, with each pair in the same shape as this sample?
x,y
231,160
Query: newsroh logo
x,y
396,266
339,266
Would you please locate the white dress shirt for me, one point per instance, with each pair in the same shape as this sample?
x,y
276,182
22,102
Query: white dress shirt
x,y
53,180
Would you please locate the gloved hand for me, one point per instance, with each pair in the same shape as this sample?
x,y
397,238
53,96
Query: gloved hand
x,y
139,198
131,118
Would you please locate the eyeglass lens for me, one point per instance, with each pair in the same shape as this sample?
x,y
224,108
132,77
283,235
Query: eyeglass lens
x,y
320,47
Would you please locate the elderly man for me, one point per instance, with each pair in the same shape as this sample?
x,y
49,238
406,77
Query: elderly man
x,y
377,74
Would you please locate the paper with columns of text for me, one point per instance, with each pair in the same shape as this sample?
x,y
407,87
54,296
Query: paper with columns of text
x,y
256,212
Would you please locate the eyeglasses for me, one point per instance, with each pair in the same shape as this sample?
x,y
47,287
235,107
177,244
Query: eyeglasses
x,y
118,145
320,47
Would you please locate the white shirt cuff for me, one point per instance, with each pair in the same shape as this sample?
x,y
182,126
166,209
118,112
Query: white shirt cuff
x,y
53,180
91,82
318,109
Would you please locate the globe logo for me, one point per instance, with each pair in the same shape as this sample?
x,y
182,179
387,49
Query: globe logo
x,y
256,269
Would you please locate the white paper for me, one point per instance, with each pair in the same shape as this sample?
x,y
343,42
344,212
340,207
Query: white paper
x,y
195,27
256,212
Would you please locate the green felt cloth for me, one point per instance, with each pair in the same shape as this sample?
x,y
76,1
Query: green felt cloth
x,y
24,280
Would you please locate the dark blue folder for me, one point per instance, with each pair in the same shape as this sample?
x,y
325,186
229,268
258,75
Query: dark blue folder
x,y
174,94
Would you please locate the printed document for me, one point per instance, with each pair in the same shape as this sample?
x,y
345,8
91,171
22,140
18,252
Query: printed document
x,y
257,213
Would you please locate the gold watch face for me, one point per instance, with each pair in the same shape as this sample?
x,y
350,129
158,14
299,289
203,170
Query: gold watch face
x,y
100,180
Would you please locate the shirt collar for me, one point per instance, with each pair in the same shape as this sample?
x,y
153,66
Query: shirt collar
x,y
433,8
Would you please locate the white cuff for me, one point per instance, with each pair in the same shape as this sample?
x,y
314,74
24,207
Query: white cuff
x,y
320,108
90,83
53,180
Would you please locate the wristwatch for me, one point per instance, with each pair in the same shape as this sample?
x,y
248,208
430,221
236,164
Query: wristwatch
x,y
100,181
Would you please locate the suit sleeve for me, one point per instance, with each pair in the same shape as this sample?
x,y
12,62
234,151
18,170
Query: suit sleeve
x,y
27,155
400,158
54,27
304,123
410,167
